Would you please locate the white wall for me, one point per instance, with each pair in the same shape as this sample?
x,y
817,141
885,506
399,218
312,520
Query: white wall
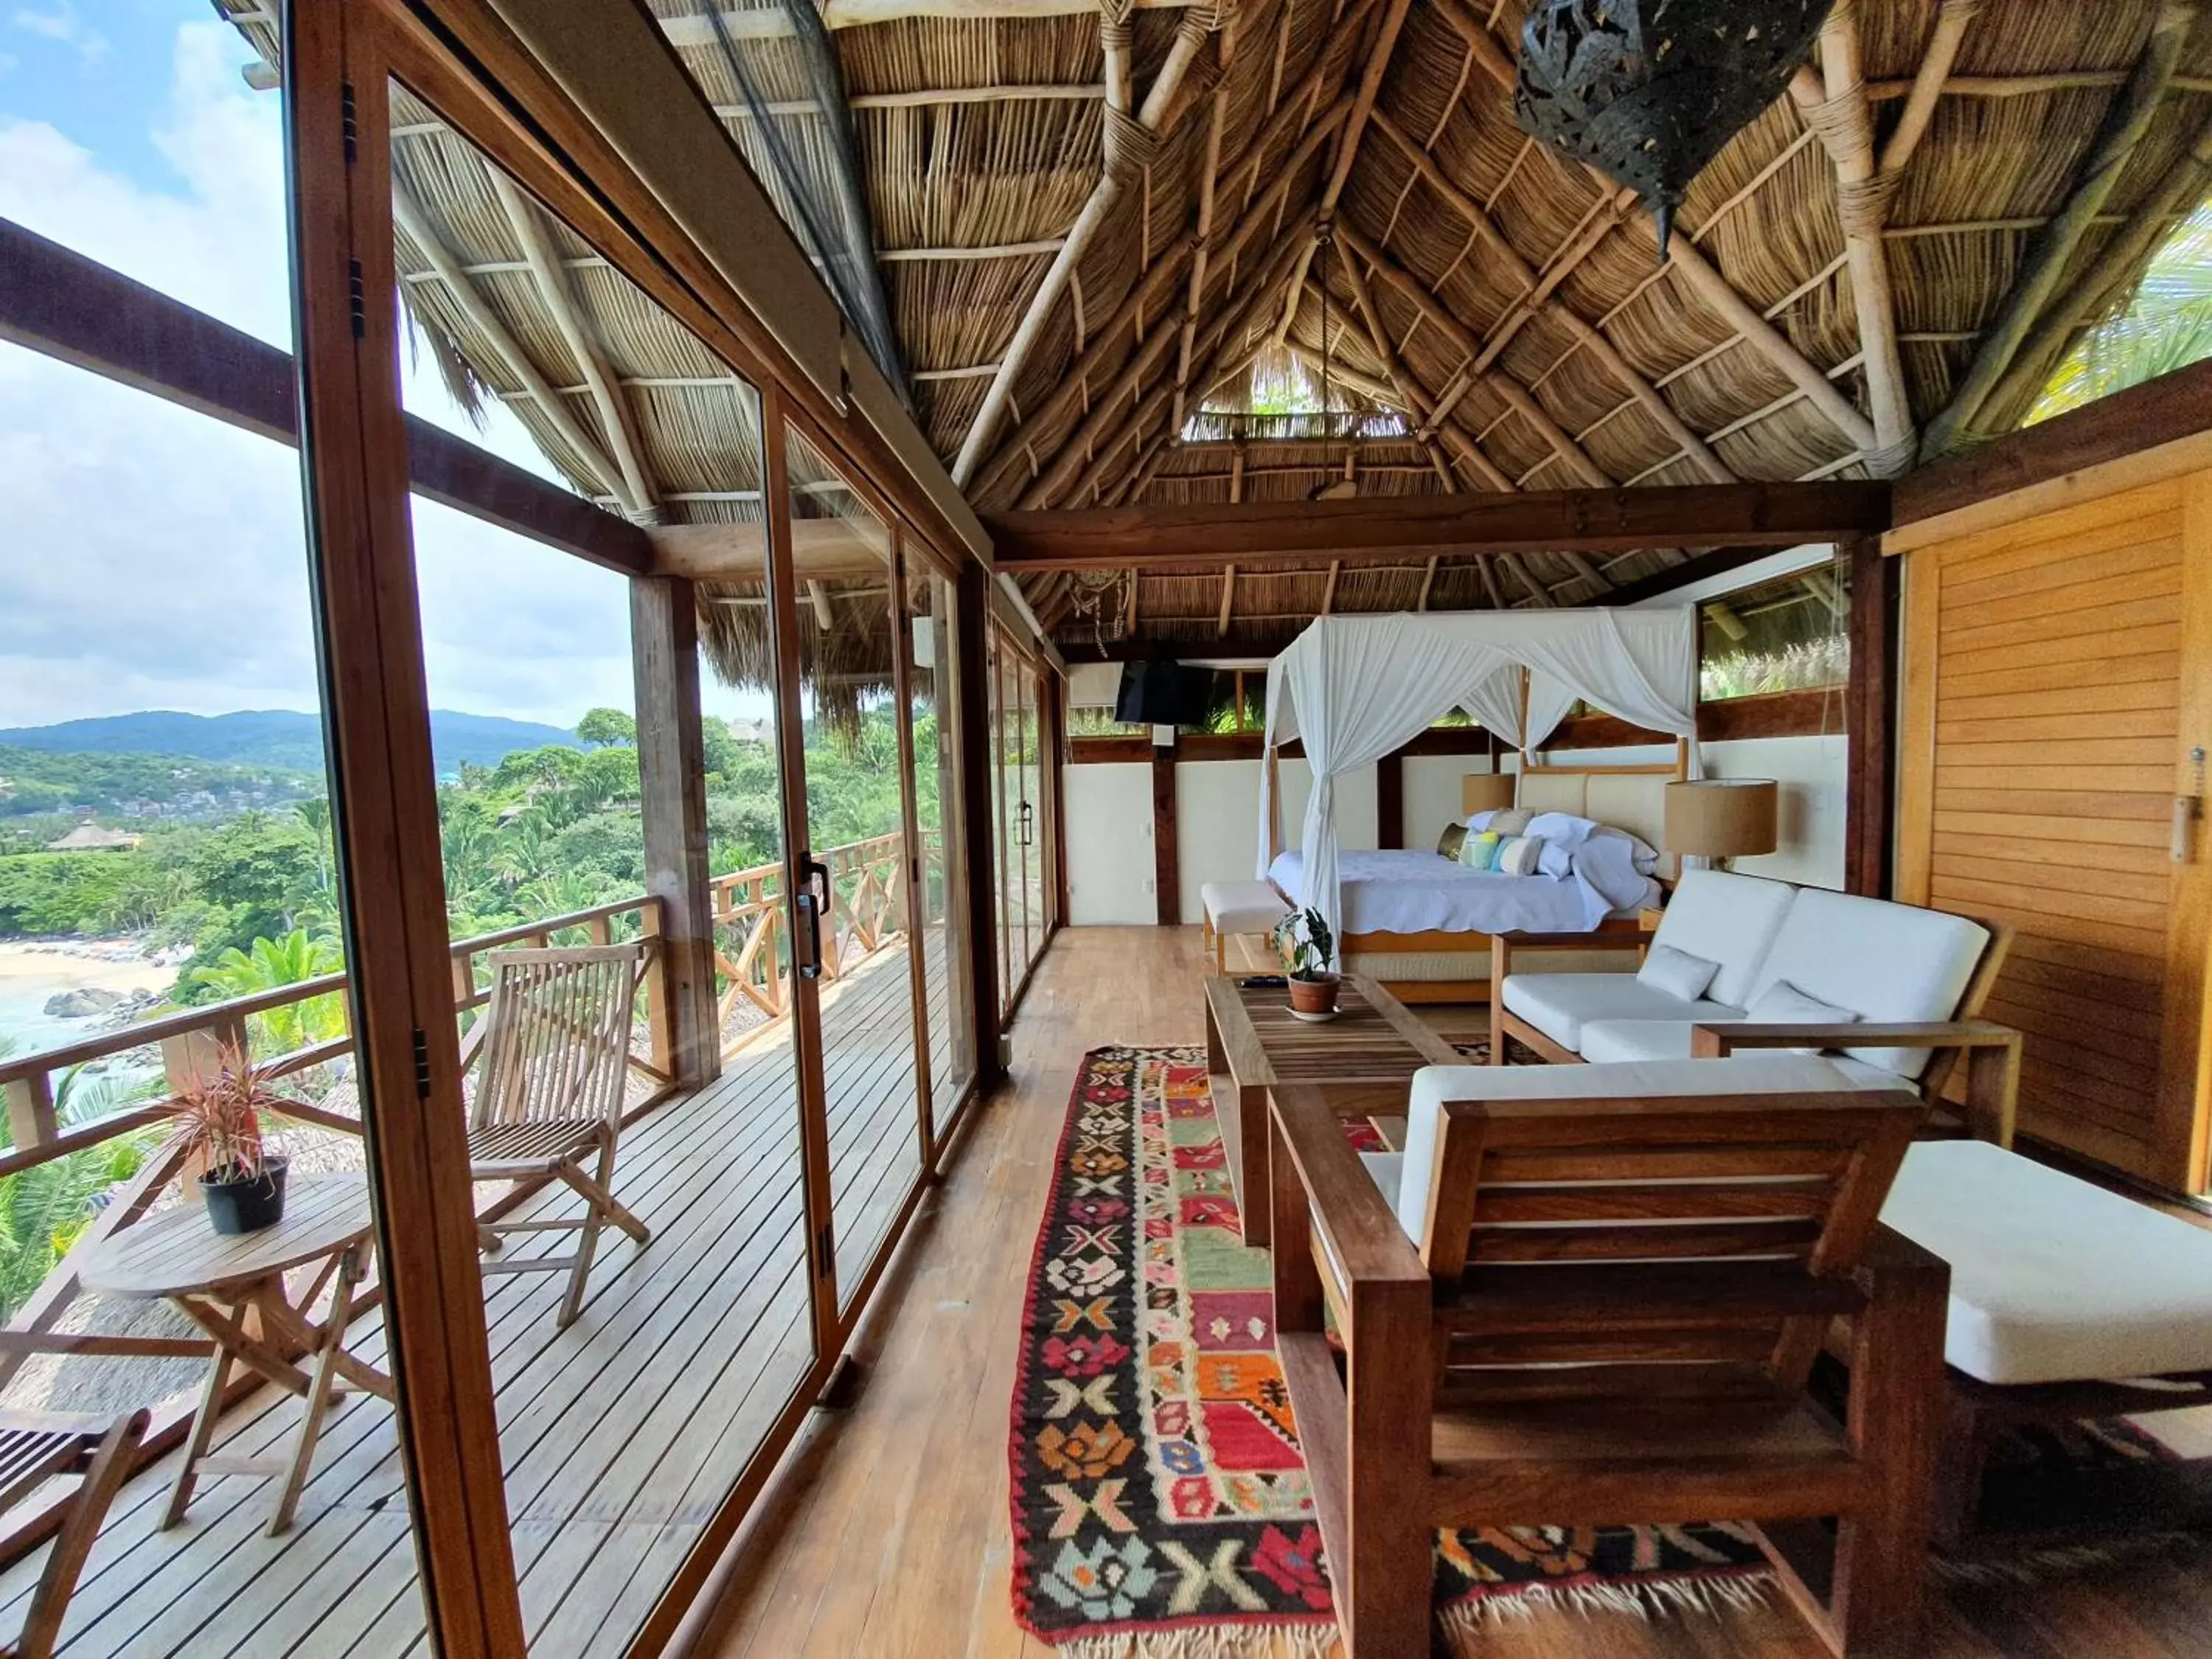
x,y
1109,815
1432,795
1217,825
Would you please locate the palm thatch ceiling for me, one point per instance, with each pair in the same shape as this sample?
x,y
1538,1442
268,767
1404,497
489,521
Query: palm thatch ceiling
x,y
1089,220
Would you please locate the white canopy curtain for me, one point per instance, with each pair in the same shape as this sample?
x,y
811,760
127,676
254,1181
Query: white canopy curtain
x,y
1356,687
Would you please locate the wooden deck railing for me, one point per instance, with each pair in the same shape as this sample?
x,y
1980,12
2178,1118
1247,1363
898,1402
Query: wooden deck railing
x,y
867,911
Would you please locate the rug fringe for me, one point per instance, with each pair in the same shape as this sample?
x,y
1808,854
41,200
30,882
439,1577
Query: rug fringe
x,y
1307,1641
1466,1623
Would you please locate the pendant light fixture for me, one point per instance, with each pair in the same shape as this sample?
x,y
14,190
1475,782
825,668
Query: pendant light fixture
x,y
1334,489
1650,91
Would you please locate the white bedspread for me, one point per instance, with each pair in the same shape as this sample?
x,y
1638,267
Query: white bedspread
x,y
1409,892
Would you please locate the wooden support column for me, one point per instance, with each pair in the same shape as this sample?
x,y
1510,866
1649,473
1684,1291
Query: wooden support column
x,y
671,766
1167,867
384,800
1870,706
1390,799
972,707
1052,728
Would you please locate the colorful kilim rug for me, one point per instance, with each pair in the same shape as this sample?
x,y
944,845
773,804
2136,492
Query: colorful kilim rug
x,y
1158,1495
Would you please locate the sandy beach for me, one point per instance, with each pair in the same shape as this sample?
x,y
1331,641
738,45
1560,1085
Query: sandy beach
x,y
41,970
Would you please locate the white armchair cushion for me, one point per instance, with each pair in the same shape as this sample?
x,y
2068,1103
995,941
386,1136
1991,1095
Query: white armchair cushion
x,y
1727,919
1784,1004
1608,1042
2053,1279
1433,1085
1558,1004
1677,973
1886,962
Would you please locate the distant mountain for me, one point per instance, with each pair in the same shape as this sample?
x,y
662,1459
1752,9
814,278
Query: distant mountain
x,y
275,737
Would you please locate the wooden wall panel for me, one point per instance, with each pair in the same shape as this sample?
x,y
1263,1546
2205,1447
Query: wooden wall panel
x,y
2045,703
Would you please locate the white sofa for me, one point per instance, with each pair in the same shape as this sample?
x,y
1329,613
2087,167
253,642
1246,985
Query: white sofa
x,y
1886,964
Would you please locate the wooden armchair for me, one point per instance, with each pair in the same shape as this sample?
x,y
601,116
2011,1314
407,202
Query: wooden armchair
x,y
36,1447
1982,1056
553,1047
1606,1314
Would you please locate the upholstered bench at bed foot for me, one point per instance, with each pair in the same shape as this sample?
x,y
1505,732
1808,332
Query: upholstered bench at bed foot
x,y
1238,906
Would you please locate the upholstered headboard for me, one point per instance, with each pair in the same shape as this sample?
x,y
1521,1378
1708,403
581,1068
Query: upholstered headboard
x,y
1631,798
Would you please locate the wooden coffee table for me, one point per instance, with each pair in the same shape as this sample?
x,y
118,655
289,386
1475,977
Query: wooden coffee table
x,y
1366,1056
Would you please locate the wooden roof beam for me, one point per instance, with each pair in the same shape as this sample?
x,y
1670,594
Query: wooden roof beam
x,y
2126,120
769,23
1209,180
1053,415
1541,290
1127,146
617,419
1347,149
410,218
55,301
1396,528
1942,52
1411,394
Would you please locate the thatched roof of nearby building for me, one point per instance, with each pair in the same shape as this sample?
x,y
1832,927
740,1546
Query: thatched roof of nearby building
x,y
1850,265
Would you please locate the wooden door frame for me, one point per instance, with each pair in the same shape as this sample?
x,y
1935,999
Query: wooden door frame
x,y
385,824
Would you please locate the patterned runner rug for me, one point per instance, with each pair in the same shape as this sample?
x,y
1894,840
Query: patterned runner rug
x,y
1159,1500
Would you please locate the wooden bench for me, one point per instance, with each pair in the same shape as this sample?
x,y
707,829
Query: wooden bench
x,y
1245,908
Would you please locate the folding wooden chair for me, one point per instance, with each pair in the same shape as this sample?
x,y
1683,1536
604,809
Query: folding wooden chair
x,y
554,1044
1597,1302
36,1447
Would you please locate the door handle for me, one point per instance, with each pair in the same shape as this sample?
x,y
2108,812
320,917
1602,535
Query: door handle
x,y
813,899
1028,824
2187,809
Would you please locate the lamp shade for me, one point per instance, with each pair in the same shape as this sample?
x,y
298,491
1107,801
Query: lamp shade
x,y
1722,817
1485,791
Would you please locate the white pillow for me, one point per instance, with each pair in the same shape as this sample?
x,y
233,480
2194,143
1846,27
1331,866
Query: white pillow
x,y
1784,1004
1555,859
1475,821
1677,973
1520,855
1646,855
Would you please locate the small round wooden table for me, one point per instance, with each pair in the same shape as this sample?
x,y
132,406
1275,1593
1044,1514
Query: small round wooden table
x,y
232,1286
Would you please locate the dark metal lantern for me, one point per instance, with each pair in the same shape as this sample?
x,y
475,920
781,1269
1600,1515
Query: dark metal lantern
x,y
1650,90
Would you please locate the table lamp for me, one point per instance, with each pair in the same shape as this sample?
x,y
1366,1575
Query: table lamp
x,y
1721,818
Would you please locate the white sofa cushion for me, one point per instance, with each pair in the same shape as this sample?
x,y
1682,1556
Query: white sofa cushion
x,y
1612,1040
1728,919
1884,962
1677,973
2053,1279
1435,1084
1558,1004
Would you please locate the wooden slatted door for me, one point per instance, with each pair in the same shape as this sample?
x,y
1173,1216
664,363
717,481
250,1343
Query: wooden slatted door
x,y
2057,678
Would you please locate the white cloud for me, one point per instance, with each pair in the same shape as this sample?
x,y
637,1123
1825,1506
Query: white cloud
x,y
152,557
59,22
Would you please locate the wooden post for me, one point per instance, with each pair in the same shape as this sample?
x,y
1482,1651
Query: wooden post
x,y
1390,799
971,704
384,796
1869,713
1167,879
1054,727
30,1102
195,1057
671,769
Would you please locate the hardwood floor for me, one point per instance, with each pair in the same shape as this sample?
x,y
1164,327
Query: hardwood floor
x,y
886,1534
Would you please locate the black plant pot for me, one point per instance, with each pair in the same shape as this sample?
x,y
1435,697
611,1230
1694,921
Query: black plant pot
x,y
246,1205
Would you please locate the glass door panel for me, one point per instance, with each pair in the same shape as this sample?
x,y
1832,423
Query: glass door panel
x,y
646,1398
1002,841
1026,818
850,633
942,899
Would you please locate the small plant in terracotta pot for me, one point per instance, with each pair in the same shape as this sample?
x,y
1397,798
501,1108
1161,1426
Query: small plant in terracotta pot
x,y
1307,944
244,1183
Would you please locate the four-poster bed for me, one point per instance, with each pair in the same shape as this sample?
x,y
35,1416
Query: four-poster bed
x,y
1353,689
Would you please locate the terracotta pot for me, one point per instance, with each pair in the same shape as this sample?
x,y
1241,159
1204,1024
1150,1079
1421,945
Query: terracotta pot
x,y
1315,996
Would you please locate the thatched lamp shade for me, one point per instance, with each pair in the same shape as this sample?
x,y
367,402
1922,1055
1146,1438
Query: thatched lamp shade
x,y
1723,818
1485,791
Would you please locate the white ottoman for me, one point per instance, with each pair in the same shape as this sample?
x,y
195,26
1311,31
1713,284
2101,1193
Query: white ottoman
x,y
1238,906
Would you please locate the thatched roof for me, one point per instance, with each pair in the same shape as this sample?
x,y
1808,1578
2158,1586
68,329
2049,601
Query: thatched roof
x,y
1938,150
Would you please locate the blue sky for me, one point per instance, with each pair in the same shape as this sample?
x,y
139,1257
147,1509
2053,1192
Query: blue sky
x,y
151,557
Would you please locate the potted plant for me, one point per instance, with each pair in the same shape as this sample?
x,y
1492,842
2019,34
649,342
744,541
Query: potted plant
x,y
243,1185
1307,944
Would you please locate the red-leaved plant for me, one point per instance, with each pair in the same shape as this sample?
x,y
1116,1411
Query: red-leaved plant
x,y
220,1118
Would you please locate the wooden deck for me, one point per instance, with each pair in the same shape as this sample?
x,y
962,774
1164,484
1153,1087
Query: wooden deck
x,y
620,1434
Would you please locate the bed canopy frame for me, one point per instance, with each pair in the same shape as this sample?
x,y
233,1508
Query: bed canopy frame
x,y
1353,688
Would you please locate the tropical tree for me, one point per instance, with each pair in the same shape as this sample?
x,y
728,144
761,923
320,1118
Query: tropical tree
x,y
2166,324
603,727
272,965
45,1207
